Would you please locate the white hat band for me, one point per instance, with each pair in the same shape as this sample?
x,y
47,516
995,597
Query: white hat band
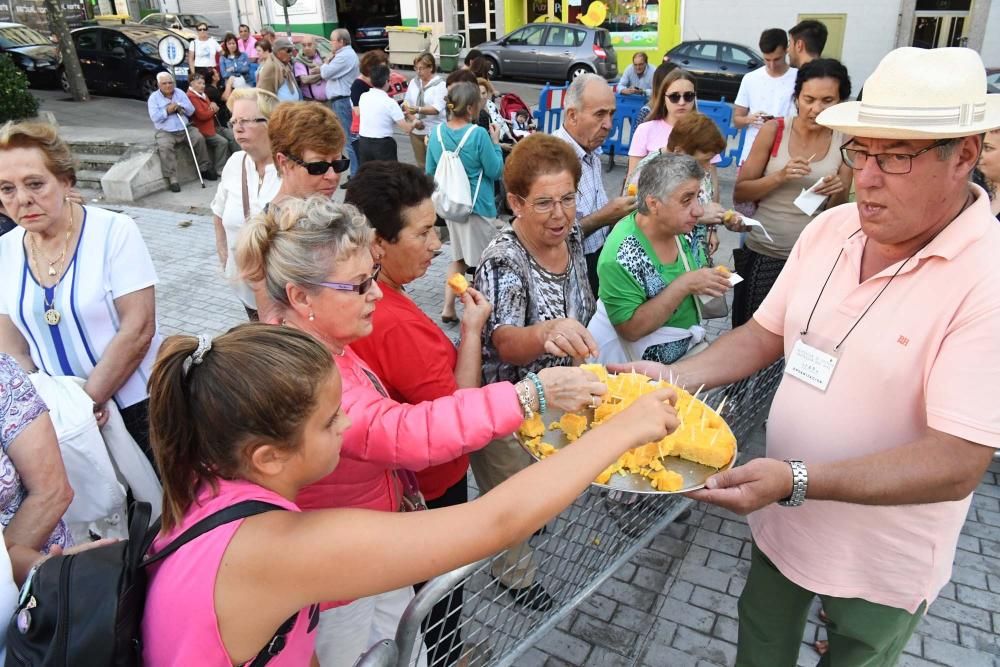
x,y
961,115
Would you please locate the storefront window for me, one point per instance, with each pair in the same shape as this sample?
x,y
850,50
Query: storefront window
x,y
632,23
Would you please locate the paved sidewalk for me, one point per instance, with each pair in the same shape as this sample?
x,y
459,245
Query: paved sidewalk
x,y
674,604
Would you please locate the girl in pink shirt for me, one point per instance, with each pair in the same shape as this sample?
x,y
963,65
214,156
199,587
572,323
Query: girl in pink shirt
x,y
256,415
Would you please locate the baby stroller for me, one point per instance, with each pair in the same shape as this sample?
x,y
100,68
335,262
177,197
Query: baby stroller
x,y
510,104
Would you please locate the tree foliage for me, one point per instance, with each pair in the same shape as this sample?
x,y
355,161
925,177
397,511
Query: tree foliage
x,y
16,102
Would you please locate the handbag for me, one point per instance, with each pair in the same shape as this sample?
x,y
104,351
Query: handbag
x,y
749,208
246,192
713,309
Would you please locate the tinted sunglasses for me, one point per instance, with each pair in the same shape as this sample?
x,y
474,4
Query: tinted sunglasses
x,y
677,97
321,167
360,288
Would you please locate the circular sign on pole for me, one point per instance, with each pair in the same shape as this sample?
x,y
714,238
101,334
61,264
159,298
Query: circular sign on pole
x,y
285,3
172,50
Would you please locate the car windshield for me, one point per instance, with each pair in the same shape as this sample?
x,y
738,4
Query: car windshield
x,y
192,20
16,36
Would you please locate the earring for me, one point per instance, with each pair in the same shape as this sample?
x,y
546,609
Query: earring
x,y
312,316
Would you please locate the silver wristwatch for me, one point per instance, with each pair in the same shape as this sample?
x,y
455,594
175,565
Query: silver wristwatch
x,y
800,481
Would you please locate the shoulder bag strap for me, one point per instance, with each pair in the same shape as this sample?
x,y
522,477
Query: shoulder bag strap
x,y
777,137
246,193
458,150
687,269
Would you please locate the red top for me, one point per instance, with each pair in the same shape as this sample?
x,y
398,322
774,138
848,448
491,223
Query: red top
x,y
416,363
204,117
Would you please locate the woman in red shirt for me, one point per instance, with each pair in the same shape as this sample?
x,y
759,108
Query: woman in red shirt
x,y
409,352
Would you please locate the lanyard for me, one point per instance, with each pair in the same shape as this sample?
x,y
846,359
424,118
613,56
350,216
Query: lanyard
x,y
860,317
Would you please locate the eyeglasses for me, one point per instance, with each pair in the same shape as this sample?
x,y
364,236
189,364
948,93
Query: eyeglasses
x,y
890,163
320,167
360,288
244,122
677,97
568,203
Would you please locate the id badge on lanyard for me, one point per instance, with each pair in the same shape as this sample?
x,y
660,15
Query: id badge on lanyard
x,y
811,363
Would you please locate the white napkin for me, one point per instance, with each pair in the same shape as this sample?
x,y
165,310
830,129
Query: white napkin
x,y
734,279
809,202
750,222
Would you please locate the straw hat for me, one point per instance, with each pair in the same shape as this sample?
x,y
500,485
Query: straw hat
x,y
920,94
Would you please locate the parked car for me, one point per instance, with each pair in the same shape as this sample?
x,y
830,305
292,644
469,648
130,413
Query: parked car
x,y
123,59
33,52
718,67
551,51
993,80
184,24
370,33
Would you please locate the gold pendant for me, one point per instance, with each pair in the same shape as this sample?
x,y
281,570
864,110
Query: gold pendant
x,y
52,316
52,270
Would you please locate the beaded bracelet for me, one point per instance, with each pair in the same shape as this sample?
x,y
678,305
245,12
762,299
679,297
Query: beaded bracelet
x,y
542,406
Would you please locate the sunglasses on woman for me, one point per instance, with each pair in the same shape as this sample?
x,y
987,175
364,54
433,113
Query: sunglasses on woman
x,y
320,167
360,288
677,97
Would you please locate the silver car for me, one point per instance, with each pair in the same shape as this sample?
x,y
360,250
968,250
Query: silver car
x,y
551,51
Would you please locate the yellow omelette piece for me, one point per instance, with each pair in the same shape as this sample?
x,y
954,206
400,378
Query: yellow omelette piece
x,y
572,425
532,428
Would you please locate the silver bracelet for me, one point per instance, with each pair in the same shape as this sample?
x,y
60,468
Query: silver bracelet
x,y
523,389
800,482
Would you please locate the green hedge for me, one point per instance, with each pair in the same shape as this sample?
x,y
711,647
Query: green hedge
x,y
16,103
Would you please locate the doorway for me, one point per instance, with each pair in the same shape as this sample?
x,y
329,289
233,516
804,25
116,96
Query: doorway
x,y
940,23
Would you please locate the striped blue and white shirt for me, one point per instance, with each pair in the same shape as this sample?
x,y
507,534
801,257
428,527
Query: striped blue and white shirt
x,y
110,260
590,194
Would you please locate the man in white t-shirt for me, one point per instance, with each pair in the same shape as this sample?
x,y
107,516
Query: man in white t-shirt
x,y
380,115
766,92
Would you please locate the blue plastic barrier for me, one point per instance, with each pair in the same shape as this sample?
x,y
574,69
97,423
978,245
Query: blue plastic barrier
x,y
722,114
548,116
626,112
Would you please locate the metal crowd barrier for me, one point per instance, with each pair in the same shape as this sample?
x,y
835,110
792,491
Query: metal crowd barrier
x,y
574,554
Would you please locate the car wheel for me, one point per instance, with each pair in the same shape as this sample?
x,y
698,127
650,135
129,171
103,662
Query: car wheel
x,y
493,71
577,70
63,80
147,86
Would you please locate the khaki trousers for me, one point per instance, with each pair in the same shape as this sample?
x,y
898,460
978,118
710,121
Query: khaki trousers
x,y
167,145
419,150
491,465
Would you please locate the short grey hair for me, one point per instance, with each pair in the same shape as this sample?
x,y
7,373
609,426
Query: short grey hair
x,y
163,76
342,35
664,174
574,94
298,242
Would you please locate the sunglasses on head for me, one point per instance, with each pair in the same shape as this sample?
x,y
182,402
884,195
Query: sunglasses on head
x,y
320,167
677,97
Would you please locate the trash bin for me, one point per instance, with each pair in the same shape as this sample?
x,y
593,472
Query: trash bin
x,y
406,43
449,46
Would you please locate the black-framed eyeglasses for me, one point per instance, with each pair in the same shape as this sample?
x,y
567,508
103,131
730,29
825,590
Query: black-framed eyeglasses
x,y
890,163
677,97
567,202
244,122
360,288
320,167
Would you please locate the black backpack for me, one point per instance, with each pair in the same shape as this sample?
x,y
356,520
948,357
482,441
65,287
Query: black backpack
x,y
87,608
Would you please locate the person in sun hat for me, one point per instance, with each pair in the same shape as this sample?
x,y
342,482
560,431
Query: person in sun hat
x,y
885,419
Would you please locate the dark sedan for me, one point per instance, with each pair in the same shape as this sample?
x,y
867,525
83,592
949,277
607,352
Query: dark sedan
x,y
718,67
123,59
371,32
34,53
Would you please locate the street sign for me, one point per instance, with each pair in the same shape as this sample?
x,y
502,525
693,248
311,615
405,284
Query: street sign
x,y
172,51
285,3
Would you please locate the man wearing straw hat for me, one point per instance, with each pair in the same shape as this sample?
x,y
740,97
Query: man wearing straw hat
x,y
885,420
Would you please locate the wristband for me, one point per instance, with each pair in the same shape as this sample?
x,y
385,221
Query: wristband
x,y
542,406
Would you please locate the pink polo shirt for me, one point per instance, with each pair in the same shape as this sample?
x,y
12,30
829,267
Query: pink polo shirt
x,y
925,356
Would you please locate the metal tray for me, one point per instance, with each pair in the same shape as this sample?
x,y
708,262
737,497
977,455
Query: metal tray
x,y
694,474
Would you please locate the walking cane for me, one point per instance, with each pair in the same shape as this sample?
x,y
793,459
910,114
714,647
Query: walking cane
x,y
197,168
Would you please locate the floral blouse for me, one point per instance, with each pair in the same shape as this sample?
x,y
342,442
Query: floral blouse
x,y
523,293
20,405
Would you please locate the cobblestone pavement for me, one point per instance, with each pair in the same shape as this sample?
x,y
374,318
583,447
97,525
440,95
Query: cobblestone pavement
x,y
674,604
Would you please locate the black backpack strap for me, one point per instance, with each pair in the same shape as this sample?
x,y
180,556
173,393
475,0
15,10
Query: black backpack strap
x,y
242,510
276,644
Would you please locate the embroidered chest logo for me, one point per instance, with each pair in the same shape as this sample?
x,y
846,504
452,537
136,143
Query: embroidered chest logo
x,y
903,340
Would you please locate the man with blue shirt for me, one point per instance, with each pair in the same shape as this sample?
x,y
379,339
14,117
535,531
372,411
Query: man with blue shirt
x,y
339,71
637,78
169,109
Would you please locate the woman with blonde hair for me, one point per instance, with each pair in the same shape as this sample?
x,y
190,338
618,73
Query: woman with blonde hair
x,y
425,99
315,260
259,413
249,182
77,298
482,158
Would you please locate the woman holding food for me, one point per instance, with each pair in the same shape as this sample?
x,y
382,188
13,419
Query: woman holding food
x,y
649,271
315,260
788,156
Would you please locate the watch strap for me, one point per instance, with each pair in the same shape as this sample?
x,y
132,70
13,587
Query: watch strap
x,y
800,482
